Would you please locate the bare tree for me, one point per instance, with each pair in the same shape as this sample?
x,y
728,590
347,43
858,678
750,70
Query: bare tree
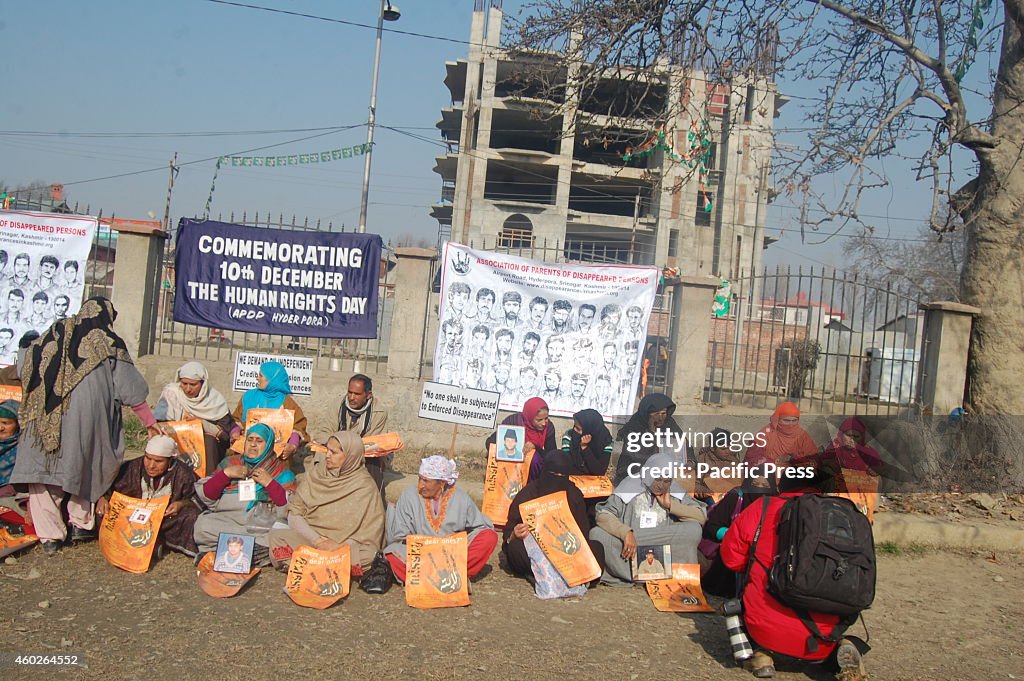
x,y
892,84
926,266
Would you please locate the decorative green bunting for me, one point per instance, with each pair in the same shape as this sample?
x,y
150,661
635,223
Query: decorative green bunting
x,y
971,43
697,156
294,159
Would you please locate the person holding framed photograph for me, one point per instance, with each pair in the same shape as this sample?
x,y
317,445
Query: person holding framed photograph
x,y
643,511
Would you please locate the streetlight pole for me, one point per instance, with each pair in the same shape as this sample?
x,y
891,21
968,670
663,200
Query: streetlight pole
x,y
389,13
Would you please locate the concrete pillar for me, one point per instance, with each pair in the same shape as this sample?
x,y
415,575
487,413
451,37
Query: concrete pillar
x,y
409,321
943,369
691,314
137,264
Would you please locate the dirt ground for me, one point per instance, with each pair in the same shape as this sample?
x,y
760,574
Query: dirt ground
x,y
936,616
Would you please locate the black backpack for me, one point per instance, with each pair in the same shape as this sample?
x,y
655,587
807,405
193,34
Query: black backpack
x,y
825,561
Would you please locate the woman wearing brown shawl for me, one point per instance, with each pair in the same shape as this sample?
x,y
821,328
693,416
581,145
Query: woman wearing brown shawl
x,y
784,439
336,503
75,380
159,473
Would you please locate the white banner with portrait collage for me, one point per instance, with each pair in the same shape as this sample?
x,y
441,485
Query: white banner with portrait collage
x,y
42,272
572,334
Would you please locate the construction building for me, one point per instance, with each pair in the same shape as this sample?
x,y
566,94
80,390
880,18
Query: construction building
x,y
525,166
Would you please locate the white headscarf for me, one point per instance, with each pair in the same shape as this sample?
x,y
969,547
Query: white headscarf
x,y
208,405
439,468
631,486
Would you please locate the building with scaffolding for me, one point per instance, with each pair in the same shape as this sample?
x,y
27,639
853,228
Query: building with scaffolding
x,y
668,169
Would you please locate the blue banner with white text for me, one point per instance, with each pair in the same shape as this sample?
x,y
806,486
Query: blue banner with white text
x,y
276,281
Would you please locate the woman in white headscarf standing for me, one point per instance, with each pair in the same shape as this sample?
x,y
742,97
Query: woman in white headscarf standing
x,y
190,396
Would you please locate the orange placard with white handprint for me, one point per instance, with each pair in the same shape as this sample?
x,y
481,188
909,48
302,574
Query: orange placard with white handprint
x,y
220,584
10,543
437,573
191,443
682,593
319,579
593,486
502,482
129,531
560,538
281,421
860,487
10,392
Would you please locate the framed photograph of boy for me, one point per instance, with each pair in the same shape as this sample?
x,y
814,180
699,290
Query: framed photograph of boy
x,y
234,553
652,562
510,441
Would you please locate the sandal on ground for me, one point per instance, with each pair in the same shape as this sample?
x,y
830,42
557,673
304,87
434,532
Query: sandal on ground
x,y
761,665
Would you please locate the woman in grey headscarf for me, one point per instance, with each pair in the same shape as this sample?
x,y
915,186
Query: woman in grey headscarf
x,y
646,510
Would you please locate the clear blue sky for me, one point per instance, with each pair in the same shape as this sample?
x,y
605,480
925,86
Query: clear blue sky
x,y
192,65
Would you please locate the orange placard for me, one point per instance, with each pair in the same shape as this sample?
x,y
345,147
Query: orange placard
x,y
319,579
502,482
129,531
861,489
560,538
682,593
282,421
382,445
220,584
191,443
437,575
593,486
9,543
10,392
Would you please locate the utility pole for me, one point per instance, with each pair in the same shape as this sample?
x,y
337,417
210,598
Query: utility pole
x,y
170,190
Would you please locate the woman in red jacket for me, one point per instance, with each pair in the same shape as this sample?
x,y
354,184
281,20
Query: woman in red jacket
x,y
772,626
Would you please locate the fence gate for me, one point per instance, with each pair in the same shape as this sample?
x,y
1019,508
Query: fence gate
x,y
829,341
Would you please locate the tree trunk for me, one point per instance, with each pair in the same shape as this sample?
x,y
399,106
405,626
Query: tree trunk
x,y
993,275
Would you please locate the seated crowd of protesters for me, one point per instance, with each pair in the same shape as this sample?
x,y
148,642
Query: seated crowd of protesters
x,y
71,445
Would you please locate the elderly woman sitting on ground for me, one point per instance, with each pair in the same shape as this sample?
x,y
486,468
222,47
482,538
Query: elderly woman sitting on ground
x,y
159,473
335,503
246,495
644,511
435,507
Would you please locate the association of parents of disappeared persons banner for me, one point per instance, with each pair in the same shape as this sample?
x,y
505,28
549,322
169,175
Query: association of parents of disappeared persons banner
x,y
572,334
276,281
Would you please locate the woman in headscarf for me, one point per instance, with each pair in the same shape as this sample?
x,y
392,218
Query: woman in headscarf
x,y
273,391
848,451
653,414
191,397
540,432
553,478
588,443
715,578
784,439
159,473
257,475
8,444
75,378
335,503
437,508
651,509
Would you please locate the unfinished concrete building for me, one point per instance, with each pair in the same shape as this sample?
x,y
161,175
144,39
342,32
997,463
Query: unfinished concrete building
x,y
525,167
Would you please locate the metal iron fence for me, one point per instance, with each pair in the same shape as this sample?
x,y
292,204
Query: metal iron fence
x,y
828,340
175,339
